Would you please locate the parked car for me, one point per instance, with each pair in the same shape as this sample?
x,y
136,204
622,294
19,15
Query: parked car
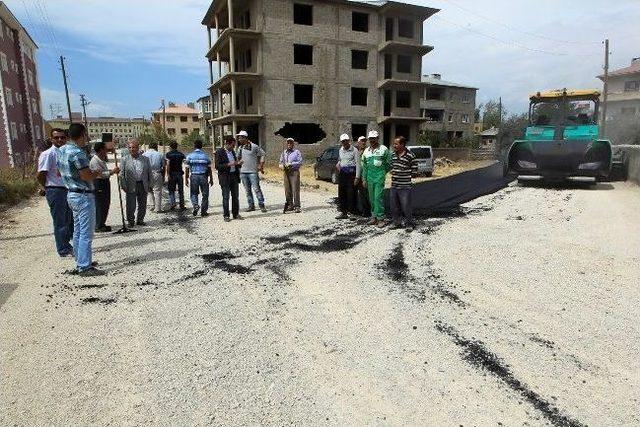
x,y
424,156
325,166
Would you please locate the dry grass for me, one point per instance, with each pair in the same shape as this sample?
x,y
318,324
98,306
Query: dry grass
x,y
274,174
14,187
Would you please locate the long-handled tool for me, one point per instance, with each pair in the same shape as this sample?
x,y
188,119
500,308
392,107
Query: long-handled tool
x,y
124,228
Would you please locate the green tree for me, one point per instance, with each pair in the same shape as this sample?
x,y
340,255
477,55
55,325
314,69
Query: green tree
x,y
188,140
513,128
491,114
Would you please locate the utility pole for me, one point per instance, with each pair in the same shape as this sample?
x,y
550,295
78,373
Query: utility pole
x,y
605,88
164,125
66,88
500,122
84,103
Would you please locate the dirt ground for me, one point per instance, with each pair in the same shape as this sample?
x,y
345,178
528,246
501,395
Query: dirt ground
x,y
308,181
521,309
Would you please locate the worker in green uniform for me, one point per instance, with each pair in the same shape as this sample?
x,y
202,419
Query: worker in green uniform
x,y
376,162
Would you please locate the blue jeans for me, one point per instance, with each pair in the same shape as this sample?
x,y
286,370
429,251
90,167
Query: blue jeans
x,y
62,219
251,182
84,221
199,184
400,201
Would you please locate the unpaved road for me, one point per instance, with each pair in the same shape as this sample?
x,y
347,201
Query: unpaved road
x,y
522,311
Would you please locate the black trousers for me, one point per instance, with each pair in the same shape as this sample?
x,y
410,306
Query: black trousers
x,y
230,184
347,201
103,201
175,180
364,207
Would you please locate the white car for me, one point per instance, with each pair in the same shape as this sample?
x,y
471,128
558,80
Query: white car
x,y
424,155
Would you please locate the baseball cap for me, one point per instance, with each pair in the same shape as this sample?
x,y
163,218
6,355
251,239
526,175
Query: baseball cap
x,y
344,137
243,133
373,134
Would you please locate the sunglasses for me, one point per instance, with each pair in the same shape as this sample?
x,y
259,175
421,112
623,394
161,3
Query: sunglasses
x,y
58,137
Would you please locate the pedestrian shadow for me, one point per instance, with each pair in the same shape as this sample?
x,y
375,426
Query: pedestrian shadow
x,y
6,289
129,243
133,261
35,236
278,212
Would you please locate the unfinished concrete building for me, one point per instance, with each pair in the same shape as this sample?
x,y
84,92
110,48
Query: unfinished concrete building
x,y
313,69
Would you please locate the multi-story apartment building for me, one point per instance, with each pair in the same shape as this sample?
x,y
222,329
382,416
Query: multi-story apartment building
x,y
623,100
203,105
21,123
448,107
313,69
122,129
179,120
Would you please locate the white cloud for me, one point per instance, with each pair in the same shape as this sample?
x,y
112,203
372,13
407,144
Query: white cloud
x,y
58,100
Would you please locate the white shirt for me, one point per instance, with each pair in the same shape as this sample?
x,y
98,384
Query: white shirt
x,y
138,167
47,163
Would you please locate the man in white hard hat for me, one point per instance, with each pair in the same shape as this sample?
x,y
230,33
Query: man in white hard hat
x,y
364,207
348,167
251,157
376,162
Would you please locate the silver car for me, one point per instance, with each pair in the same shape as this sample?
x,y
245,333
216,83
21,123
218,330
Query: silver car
x,y
424,155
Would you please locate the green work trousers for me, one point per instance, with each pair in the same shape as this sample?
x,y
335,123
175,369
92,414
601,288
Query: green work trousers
x,y
376,198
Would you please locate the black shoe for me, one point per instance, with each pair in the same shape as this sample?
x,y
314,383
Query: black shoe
x,y
91,272
409,228
195,211
131,224
342,216
142,223
182,208
204,214
103,229
227,219
263,208
238,217
250,209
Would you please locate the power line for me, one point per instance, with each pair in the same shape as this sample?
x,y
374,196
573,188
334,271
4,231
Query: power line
x,y
41,8
38,31
510,43
508,27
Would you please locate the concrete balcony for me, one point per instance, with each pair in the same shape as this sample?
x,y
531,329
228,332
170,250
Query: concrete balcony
x,y
222,44
432,104
224,83
400,119
432,125
393,46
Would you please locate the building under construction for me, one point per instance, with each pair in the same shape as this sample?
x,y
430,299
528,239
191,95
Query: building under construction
x,y
314,69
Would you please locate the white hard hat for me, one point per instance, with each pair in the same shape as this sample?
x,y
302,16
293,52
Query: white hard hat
x,y
373,134
362,138
243,133
344,137
291,139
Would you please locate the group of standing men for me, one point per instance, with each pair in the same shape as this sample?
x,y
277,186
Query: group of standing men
x,y
362,172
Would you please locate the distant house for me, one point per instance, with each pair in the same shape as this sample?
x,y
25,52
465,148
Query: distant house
x,y
489,138
179,120
623,91
449,108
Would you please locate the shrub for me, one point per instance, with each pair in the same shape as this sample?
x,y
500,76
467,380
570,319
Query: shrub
x,y
15,187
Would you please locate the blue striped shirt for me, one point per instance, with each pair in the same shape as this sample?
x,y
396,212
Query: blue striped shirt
x,y
198,162
71,159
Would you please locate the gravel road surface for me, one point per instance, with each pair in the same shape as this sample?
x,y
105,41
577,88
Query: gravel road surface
x,y
521,309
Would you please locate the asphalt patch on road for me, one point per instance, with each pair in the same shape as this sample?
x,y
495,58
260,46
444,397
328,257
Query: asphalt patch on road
x,y
98,300
181,220
477,355
218,260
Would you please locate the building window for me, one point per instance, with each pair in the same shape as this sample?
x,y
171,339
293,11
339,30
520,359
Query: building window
x,y
249,96
403,130
14,131
405,28
9,96
30,77
303,94
404,64
359,59
465,98
194,118
450,117
37,129
360,22
303,54
302,14
171,131
19,98
168,118
632,86
34,105
184,131
465,118
403,99
358,130
359,96
248,59
3,59
184,118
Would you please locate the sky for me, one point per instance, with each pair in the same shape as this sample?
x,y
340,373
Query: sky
x,y
127,55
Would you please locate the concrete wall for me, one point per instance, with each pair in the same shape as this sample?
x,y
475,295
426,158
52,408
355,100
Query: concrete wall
x,y
632,161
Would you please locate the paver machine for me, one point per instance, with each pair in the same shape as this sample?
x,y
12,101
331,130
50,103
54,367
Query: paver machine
x,y
562,139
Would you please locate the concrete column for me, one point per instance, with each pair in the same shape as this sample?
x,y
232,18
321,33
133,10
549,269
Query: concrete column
x,y
211,71
217,25
220,110
209,36
233,96
235,128
230,9
232,55
219,65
